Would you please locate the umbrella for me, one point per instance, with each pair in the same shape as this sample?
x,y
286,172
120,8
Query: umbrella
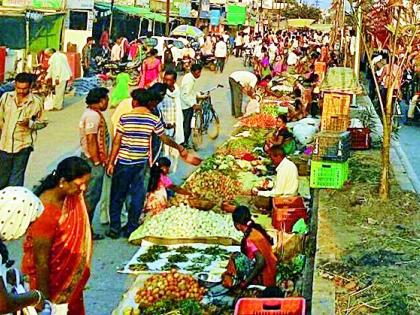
x,y
187,30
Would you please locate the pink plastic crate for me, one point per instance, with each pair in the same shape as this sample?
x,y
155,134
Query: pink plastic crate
x,y
276,306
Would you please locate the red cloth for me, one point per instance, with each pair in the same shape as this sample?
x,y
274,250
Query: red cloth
x,y
69,231
104,40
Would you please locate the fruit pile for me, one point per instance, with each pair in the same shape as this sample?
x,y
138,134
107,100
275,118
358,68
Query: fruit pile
x,y
172,285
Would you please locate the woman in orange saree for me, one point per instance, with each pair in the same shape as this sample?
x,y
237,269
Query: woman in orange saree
x,y
256,245
58,246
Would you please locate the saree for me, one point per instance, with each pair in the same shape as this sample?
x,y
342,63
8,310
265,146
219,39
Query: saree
x,y
70,254
261,244
121,90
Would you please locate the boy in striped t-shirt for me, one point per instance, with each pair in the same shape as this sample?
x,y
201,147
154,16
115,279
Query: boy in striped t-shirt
x,y
128,160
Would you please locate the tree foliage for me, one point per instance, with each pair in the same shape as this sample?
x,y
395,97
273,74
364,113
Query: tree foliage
x,y
301,11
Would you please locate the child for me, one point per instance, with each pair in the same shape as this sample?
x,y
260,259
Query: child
x,y
161,187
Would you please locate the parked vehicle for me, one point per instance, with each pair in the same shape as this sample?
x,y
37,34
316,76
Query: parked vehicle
x,y
205,120
206,61
161,42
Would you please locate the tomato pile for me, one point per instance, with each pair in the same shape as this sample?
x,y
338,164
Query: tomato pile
x,y
172,285
259,121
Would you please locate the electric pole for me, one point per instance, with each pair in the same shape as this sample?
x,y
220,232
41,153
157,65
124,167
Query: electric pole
x,y
168,13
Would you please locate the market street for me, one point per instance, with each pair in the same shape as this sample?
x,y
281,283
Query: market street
x,y
409,139
61,139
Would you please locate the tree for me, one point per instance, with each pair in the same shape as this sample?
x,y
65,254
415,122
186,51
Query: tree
x,y
394,26
301,11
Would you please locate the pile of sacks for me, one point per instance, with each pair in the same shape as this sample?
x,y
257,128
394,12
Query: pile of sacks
x,y
82,86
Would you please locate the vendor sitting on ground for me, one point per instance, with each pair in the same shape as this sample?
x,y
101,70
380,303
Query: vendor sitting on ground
x,y
296,111
256,263
160,187
282,136
287,177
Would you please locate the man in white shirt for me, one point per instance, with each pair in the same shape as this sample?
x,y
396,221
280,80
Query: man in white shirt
x,y
189,99
287,177
59,73
237,81
292,58
116,51
220,53
239,44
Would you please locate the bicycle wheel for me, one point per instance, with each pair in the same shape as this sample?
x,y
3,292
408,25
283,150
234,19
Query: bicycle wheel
x,y
213,129
197,130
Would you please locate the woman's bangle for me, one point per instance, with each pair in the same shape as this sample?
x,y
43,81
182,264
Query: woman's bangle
x,y
39,297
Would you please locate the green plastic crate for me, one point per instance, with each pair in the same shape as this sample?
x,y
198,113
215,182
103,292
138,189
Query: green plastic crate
x,y
327,174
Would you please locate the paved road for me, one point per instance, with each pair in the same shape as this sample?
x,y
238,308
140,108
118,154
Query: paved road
x,y
409,137
61,139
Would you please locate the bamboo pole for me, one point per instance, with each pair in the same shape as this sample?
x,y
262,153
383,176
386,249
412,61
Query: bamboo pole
x,y
168,12
358,39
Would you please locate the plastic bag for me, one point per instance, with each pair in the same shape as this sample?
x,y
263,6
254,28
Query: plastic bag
x,y
49,102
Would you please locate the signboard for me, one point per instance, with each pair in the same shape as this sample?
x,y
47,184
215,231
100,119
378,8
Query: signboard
x,y
185,9
38,4
236,15
205,9
214,17
80,4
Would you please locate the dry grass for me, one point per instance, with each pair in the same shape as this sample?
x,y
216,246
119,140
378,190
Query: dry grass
x,y
377,244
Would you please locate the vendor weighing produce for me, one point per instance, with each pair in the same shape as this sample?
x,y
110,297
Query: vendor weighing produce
x,y
287,177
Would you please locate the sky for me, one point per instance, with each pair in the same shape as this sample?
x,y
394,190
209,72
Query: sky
x,y
323,4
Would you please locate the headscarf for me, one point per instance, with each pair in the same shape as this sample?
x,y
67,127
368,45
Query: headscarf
x,y
18,208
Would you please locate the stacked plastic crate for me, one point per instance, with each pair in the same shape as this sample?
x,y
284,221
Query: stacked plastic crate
x,y
329,165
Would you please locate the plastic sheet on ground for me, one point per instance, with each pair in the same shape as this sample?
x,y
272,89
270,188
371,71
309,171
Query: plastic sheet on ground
x,y
216,267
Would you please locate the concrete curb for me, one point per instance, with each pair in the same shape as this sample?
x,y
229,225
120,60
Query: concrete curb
x,y
409,170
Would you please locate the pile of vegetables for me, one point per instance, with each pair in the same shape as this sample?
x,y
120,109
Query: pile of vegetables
x,y
223,163
259,121
241,144
187,222
213,185
274,109
169,285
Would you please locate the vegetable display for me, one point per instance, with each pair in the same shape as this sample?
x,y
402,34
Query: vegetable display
x,y
259,121
213,185
169,285
274,109
186,222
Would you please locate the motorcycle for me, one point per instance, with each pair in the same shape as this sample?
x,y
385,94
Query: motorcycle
x,y
184,64
207,61
248,56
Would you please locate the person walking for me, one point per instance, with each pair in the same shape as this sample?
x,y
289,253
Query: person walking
x,y
220,53
87,56
57,251
189,99
20,110
171,111
239,44
59,72
104,40
129,159
151,70
95,140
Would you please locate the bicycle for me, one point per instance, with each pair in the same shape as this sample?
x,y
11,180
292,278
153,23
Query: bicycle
x,y
205,120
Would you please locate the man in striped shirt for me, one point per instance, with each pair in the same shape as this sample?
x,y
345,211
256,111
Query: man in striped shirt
x,y
128,160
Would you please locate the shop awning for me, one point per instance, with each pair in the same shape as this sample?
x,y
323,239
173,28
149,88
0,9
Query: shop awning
x,y
131,10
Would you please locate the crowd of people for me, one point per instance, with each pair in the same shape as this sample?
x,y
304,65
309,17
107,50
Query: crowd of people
x,y
126,163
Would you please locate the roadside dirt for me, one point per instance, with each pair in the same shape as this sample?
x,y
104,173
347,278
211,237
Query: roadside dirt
x,y
374,245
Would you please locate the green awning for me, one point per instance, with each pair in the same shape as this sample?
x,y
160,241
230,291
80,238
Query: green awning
x,y
156,17
125,9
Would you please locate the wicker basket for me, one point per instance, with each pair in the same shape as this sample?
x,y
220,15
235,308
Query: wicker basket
x,y
337,123
332,146
336,104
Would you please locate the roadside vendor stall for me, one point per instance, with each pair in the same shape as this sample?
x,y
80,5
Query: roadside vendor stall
x,y
189,244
